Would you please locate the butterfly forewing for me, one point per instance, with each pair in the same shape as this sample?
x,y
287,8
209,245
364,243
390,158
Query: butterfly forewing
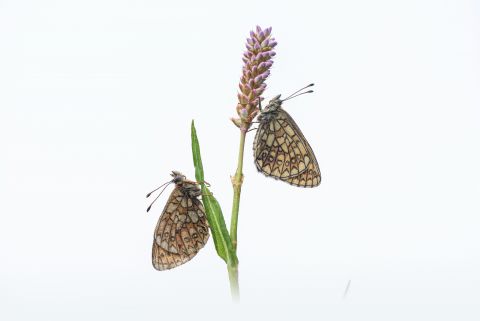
x,y
181,231
282,152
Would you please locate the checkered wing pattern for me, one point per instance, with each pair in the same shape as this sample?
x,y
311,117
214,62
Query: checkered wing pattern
x,y
181,231
282,152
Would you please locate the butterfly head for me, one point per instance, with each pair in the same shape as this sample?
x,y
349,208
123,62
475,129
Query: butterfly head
x,y
275,104
178,177
190,188
271,109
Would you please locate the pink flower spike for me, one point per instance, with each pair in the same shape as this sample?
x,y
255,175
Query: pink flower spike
x,y
257,61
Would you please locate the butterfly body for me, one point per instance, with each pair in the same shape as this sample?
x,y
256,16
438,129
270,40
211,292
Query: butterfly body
x,y
280,149
182,229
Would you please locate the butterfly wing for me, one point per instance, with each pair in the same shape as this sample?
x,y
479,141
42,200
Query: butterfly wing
x,y
182,230
282,152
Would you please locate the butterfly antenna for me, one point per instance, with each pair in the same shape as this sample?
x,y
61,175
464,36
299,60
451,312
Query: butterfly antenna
x,y
156,198
305,92
293,95
148,195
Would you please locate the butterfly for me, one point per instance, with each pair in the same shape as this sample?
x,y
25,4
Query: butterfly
x,y
280,150
182,229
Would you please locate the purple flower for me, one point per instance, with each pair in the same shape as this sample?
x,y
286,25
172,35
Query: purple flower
x,y
257,62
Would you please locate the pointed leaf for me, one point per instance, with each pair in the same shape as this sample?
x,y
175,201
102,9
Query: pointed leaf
x,y
221,237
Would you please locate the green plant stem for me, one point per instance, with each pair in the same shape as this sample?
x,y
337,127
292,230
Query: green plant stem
x,y
233,277
237,181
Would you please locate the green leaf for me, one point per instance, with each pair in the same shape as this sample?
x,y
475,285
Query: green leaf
x,y
221,237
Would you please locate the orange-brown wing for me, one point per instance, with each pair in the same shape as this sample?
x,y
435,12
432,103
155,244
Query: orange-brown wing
x,y
282,152
181,231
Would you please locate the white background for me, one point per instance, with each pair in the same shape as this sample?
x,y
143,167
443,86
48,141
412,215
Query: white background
x,y
96,100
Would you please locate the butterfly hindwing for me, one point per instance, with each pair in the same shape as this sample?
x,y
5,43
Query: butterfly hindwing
x,y
282,152
181,231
